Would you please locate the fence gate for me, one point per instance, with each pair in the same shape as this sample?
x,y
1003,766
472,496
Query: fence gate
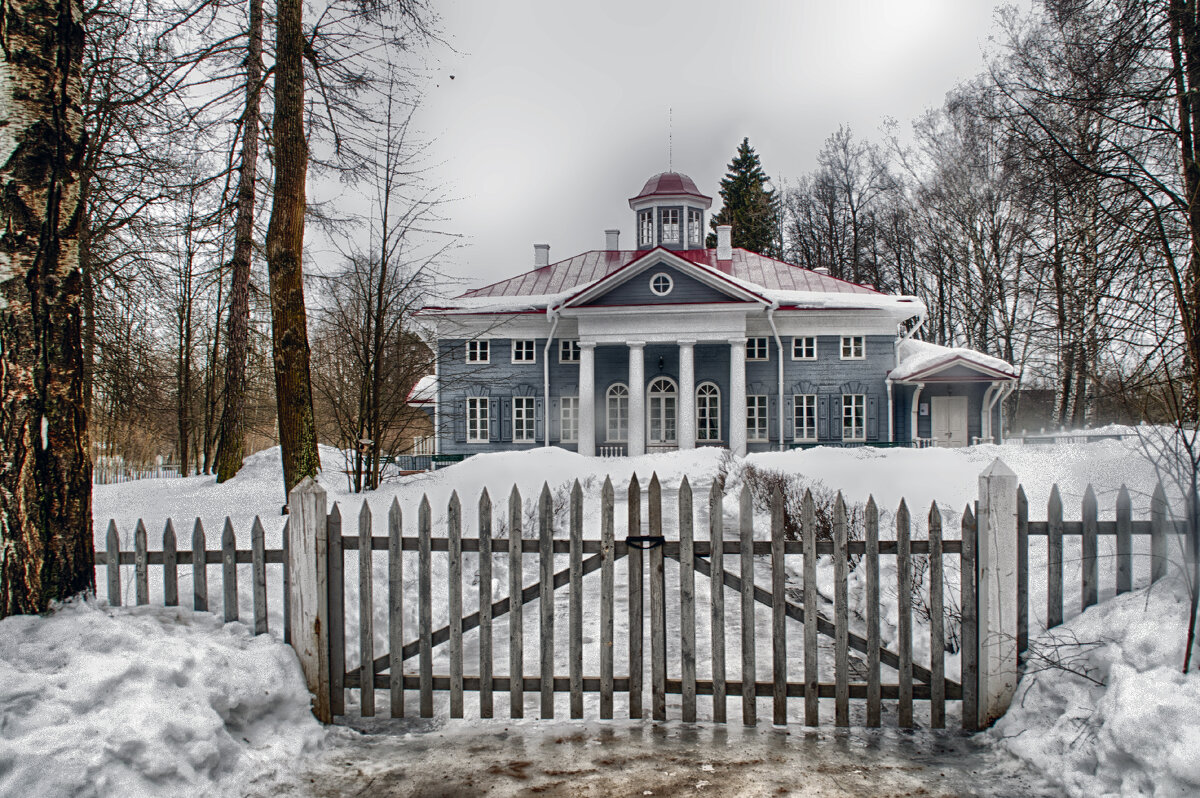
x,y
725,558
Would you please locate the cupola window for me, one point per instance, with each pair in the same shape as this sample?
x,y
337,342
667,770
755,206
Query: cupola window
x,y
670,225
693,227
646,229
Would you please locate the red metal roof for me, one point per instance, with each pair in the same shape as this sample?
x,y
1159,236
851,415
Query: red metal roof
x,y
670,183
590,266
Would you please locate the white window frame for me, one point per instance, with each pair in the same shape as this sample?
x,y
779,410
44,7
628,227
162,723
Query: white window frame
x,y
524,419
758,348
479,351
856,345
530,347
610,396
854,416
663,394
808,403
654,289
672,225
646,228
801,349
714,394
758,410
568,350
694,223
569,419
478,409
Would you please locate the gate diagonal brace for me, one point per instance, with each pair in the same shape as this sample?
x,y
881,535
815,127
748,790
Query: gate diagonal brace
x,y
501,607
826,628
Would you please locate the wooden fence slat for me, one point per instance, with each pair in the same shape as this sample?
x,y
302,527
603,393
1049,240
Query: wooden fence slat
x,y
1124,542
778,614
336,585
658,608
425,605
808,524
546,598
1022,572
1158,533
112,544
636,622
904,621
1091,572
229,587
199,568
286,601
575,608
607,499
937,633
454,532
366,611
841,575
258,551
716,537
170,566
516,628
396,609
746,530
874,703
969,661
486,687
1054,559
141,562
687,603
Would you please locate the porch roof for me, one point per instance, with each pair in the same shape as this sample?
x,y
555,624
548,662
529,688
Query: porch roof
x,y
922,361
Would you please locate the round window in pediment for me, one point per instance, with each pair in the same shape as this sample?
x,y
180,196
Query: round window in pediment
x,y
661,284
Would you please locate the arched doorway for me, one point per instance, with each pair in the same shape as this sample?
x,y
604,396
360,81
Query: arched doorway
x,y
661,413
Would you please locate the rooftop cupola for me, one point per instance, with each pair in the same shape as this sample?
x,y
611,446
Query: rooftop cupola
x,y
670,213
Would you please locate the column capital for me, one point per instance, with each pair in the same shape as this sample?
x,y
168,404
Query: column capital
x,y
587,344
737,342
687,342
635,344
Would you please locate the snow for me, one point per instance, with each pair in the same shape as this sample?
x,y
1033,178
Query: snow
x,y
96,701
1114,716
424,391
919,356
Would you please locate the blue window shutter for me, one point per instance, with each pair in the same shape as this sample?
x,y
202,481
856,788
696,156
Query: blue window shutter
x,y
506,420
823,417
555,419
539,417
773,418
872,417
835,418
494,419
789,418
460,422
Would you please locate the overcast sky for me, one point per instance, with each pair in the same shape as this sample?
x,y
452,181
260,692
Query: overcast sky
x,y
558,111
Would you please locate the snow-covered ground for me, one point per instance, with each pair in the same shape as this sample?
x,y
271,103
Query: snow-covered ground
x,y
948,477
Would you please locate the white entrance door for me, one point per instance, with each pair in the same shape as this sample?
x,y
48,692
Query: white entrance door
x,y
661,414
949,420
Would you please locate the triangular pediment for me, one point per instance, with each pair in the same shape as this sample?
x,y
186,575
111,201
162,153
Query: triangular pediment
x,y
662,278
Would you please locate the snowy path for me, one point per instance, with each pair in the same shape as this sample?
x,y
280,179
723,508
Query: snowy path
x,y
499,758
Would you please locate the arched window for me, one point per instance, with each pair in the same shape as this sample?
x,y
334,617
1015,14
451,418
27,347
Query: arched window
x,y
617,407
661,410
708,412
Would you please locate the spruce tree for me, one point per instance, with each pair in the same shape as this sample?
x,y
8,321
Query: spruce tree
x,y
749,205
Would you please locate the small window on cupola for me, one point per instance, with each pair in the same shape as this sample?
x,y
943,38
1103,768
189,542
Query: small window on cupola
x,y
693,227
646,229
670,225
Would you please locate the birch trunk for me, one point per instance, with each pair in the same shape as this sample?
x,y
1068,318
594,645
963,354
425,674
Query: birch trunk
x,y
45,468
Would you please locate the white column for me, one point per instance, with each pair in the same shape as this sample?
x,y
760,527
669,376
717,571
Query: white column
x,y
637,399
737,397
587,398
997,552
686,431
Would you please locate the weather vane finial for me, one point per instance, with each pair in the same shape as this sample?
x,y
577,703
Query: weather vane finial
x,y
670,139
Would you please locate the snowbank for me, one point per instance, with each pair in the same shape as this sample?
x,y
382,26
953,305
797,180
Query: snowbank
x,y
1119,718
148,701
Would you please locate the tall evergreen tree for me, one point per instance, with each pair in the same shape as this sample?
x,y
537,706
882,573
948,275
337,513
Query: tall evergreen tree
x,y
749,206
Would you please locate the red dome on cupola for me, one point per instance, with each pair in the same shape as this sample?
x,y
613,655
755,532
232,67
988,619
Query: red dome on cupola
x,y
670,184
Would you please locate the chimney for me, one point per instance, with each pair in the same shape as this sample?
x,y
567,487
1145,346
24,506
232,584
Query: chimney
x,y
724,242
610,240
541,255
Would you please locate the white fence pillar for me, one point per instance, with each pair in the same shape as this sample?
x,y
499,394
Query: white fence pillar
x,y
308,590
997,591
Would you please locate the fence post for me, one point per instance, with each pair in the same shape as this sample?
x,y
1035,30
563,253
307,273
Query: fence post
x,y
997,530
308,599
